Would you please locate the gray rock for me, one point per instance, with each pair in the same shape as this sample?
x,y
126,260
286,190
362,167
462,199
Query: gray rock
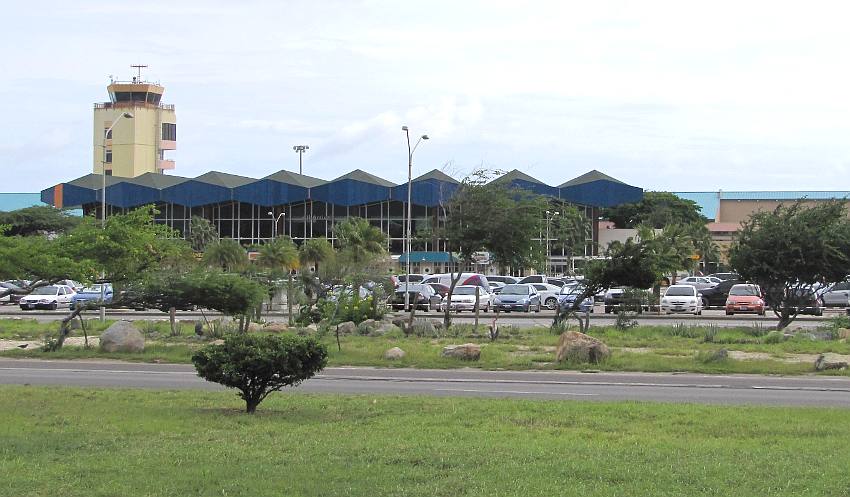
x,y
382,329
394,354
424,328
465,352
122,336
401,322
821,364
347,328
367,327
578,347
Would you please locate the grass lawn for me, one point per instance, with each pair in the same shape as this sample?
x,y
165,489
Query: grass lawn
x,y
109,442
642,348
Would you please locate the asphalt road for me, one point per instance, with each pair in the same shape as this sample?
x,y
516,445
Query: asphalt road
x,y
544,318
691,388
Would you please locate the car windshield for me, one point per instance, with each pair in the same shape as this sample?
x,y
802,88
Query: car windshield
x,y
515,290
744,290
678,291
46,290
466,290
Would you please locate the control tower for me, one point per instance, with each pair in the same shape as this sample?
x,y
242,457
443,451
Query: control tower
x,y
143,129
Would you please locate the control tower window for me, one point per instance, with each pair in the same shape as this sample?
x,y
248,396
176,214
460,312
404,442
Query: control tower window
x,y
169,131
153,98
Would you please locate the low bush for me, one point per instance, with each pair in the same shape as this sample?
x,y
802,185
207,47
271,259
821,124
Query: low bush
x,y
258,365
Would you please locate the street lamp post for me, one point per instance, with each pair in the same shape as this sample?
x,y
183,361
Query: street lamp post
x,y
276,220
103,168
103,205
300,149
548,220
409,208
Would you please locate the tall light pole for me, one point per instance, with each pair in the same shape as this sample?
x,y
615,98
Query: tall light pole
x,y
103,206
409,208
300,149
277,220
103,168
548,220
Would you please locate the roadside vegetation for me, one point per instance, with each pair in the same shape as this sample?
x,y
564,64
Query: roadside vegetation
x,y
84,442
705,349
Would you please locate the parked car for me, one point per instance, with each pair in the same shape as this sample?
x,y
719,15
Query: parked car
x,y
838,295
809,302
463,299
477,279
613,298
441,289
92,295
716,295
48,297
726,276
568,296
12,298
75,285
534,278
518,297
745,298
681,298
413,278
424,297
496,286
502,279
698,282
548,294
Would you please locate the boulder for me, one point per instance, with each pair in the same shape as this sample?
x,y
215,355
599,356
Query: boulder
x,y
347,328
276,327
401,322
465,352
821,364
122,336
394,354
367,327
382,329
313,326
578,347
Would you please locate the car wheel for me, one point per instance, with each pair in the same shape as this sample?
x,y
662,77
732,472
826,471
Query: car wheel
x,y
551,302
54,306
819,312
705,304
729,313
537,309
607,310
762,313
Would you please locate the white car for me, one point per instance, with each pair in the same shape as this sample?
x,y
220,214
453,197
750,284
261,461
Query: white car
x,y
681,298
463,299
548,294
698,282
48,297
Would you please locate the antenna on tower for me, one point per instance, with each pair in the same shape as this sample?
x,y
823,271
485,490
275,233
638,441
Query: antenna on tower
x,y
138,68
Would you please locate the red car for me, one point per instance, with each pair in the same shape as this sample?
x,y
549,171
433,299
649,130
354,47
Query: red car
x,y
745,298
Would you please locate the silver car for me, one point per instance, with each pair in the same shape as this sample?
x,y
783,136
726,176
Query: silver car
x,y
838,295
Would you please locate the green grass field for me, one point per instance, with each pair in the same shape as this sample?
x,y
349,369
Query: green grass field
x,y
109,442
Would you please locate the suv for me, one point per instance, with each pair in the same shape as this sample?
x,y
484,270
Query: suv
x,y
613,298
716,295
422,296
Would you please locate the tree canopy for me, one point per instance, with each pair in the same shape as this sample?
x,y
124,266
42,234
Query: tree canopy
x,y
790,249
39,219
656,210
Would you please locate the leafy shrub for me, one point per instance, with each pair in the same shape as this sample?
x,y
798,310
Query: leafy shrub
x,y
349,307
307,315
685,331
839,322
708,334
773,337
708,357
624,321
258,365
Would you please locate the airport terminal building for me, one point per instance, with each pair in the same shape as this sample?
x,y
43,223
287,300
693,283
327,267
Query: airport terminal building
x,y
286,203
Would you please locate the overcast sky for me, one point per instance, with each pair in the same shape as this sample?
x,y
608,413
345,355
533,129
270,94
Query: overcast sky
x,y
682,96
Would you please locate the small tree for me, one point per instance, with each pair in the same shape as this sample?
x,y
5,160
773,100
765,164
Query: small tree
x,y
258,365
787,250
